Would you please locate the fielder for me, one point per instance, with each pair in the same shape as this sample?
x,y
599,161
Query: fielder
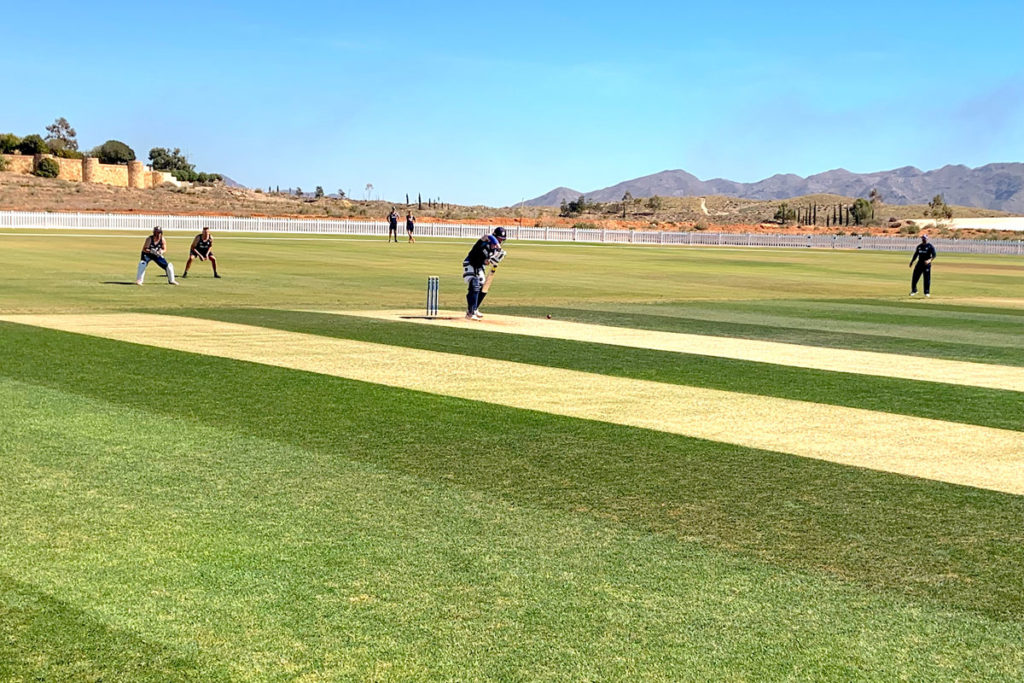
x,y
486,251
924,254
202,249
153,250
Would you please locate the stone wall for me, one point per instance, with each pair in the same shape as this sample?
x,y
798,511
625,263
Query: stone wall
x,y
18,163
70,169
111,174
136,174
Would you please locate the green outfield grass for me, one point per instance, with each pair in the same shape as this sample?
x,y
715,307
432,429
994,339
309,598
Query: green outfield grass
x,y
173,516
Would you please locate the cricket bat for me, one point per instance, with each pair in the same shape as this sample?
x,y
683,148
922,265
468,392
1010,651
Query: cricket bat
x,y
490,276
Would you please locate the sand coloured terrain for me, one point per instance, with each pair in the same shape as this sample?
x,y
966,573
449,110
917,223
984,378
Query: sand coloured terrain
x,y
957,453
1009,378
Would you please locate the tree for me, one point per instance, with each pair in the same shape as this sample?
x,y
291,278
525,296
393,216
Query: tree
x,y
369,191
938,208
33,144
407,199
9,142
341,193
861,211
298,191
655,203
115,152
164,159
575,207
785,213
419,201
61,132
875,197
626,200
318,193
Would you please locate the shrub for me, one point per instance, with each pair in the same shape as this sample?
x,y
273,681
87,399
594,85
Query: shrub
x,y
115,152
67,153
9,142
47,168
3,164
585,226
33,144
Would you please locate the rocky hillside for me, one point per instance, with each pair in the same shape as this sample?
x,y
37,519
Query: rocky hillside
x,y
995,186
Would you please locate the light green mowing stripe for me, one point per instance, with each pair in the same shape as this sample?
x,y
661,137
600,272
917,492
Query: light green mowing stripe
x,y
956,453
1003,377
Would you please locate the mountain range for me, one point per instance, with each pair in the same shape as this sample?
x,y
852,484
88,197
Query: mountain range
x,y
994,186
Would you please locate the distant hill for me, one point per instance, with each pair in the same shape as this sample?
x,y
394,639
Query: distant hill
x,y
554,198
995,186
230,182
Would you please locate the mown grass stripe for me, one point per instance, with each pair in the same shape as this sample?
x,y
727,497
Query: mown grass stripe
x,y
973,405
955,453
642,319
259,556
959,547
1002,377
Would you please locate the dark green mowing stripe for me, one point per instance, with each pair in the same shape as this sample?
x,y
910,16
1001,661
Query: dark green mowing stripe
x,y
43,636
958,547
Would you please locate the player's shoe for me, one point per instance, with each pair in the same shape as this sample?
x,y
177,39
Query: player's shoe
x,y
216,276
185,274
913,294
477,315
138,282
928,295
173,282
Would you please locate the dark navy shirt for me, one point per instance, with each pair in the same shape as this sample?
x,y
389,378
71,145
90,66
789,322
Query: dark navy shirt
x,y
484,248
203,246
154,245
923,252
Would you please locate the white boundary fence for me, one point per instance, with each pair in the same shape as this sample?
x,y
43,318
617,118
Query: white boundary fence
x,y
326,226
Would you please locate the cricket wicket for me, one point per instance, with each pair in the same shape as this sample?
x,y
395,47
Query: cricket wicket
x,y
433,285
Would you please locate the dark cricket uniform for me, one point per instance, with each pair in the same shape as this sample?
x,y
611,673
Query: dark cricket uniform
x,y
923,254
203,246
392,225
473,269
148,256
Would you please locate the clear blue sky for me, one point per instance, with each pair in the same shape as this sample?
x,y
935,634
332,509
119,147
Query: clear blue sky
x,y
493,102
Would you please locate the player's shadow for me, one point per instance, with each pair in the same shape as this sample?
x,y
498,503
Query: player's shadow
x,y
113,282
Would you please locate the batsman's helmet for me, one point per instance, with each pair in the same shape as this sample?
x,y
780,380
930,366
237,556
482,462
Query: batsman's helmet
x,y
499,232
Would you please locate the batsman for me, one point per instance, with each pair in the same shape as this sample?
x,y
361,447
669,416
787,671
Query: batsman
x,y
486,252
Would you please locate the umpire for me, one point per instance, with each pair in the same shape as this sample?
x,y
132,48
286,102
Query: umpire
x,y
924,254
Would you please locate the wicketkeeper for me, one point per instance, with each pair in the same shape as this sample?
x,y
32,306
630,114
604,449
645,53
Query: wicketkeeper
x,y
486,251
153,250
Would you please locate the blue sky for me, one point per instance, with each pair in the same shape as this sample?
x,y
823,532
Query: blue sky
x,y
492,104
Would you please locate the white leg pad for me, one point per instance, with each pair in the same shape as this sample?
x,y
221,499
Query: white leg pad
x,y
141,272
170,272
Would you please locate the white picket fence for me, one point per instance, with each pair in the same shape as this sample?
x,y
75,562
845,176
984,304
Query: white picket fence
x,y
326,226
